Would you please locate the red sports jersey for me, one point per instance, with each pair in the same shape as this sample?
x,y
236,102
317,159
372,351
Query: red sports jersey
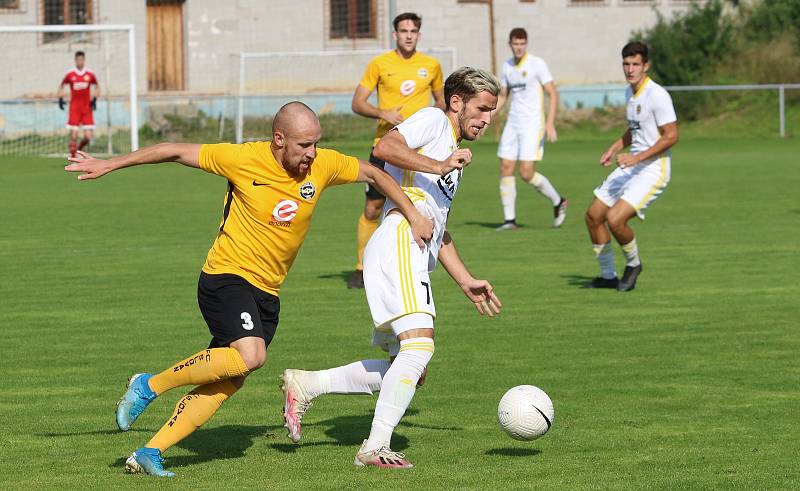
x,y
80,82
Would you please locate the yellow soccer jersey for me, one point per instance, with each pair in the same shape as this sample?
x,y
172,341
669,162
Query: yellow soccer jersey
x,y
266,211
400,82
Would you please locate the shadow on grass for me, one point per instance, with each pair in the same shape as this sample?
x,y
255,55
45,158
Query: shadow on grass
x,y
343,276
579,280
96,432
513,452
491,225
224,442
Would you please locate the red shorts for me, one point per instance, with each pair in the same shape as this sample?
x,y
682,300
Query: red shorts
x,y
80,117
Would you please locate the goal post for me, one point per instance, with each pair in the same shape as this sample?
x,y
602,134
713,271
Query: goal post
x,y
36,59
325,80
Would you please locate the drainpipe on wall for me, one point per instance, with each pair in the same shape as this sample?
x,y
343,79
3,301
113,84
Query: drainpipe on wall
x,y
491,35
392,15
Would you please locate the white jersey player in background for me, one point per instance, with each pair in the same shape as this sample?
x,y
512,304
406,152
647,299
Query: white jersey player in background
x,y
525,78
422,154
641,175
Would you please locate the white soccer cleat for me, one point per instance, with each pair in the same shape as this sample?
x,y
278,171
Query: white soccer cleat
x,y
560,213
295,402
512,225
384,457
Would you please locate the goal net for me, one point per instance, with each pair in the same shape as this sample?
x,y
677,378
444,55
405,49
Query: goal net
x,y
36,59
324,80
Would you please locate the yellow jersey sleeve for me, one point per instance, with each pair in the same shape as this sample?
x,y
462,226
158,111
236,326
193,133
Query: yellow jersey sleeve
x,y
338,168
222,159
371,75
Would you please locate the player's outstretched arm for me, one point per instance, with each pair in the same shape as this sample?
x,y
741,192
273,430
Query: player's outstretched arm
x,y
617,146
421,226
393,148
480,292
362,107
92,168
668,138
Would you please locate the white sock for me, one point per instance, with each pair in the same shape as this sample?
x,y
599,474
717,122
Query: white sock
x,y
605,256
399,385
631,252
542,184
359,377
508,197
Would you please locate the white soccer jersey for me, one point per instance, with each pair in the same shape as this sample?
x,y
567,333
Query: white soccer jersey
x,y
649,108
430,132
524,81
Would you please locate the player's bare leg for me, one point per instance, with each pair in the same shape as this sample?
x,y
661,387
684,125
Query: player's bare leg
x,y
601,245
527,171
73,142
367,224
87,137
508,194
618,217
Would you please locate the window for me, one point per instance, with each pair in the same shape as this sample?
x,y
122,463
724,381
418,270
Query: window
x,y
9,4
353,19
588,3
61,12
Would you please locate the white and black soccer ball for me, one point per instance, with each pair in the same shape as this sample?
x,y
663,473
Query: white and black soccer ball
x,y
525,412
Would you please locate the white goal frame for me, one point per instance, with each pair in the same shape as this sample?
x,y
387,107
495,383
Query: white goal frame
x,y
129,28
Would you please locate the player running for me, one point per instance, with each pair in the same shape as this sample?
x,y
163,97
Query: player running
x,y
273,188
525,78
405,80
641,175
82,101
396,271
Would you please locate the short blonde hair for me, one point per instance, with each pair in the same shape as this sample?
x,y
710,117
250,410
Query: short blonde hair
x,y
467,82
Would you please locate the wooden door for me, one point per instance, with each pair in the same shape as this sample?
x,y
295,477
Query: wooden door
x,y
165,58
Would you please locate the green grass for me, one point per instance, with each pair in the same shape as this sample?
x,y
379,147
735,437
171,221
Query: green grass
x,y
688,382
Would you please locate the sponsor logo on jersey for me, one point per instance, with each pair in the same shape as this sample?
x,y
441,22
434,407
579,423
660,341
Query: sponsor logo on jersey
x,y
422,73
407,87
633,124
307,190
448,184
517,86
284,212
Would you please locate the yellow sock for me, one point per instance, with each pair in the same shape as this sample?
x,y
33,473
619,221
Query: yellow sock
x,y
202,368
191,413
366,228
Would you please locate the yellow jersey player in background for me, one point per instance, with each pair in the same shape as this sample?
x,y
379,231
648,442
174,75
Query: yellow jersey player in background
x,y
405,80
273,188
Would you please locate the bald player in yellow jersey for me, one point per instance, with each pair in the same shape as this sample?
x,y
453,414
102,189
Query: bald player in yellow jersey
x,y
273,188
405,80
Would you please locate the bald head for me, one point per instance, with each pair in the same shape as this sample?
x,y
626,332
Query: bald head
x,y
294,117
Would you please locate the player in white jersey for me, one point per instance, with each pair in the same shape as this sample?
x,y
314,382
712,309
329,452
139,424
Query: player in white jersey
x,y
422,154
641,175
525,79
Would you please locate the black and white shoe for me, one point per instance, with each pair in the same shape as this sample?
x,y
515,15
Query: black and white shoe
x,y
560,212
629,277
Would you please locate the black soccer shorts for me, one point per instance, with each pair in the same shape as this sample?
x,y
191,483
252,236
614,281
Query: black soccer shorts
x,y
373,193
234,309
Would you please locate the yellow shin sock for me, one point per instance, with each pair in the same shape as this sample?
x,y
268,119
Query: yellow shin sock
x,y
205,367
366,228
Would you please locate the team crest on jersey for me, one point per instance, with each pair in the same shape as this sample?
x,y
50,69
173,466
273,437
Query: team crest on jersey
x,y
422,73
638,109
307,190
86,77
407,87
284,212
524,73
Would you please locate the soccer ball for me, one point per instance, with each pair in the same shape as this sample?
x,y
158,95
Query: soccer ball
x,y
525,412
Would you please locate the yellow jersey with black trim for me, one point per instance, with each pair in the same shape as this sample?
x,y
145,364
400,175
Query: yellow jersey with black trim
x,y
405,83
266,211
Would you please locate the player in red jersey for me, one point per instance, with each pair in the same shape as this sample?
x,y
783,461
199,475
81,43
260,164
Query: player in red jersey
x,y
82,101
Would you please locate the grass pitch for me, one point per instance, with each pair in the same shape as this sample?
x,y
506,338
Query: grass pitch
x,y
690,381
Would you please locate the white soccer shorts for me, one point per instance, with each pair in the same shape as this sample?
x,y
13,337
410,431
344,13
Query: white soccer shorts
x,y
639,185
526,144
396,281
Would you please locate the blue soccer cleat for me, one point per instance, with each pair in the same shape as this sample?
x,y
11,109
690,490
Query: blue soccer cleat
x,y
134,401
147,461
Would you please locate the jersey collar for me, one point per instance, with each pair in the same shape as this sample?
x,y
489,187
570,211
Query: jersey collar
x,y
522,61
641,89
452,130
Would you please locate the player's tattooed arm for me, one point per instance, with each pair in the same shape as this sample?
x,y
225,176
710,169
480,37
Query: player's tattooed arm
x,y
393,148
92,168
479,292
